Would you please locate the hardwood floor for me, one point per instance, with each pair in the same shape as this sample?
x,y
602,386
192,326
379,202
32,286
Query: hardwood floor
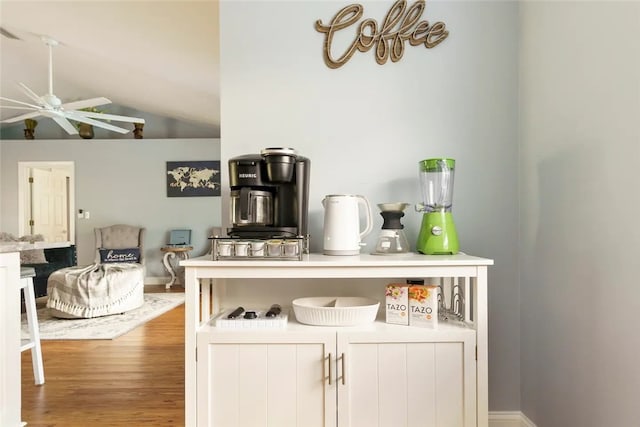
x,y
134,380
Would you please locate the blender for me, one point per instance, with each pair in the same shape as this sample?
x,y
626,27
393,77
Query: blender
x,y
438,234
392,239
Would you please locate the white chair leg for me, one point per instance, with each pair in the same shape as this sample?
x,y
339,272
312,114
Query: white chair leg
x,y
34,330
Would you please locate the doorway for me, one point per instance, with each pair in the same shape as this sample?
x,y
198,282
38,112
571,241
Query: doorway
x,y
46,200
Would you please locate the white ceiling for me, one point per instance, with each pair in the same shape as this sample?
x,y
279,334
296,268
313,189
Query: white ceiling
x,y
156,56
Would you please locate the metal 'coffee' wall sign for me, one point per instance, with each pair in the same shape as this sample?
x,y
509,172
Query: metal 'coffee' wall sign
x,y
401,24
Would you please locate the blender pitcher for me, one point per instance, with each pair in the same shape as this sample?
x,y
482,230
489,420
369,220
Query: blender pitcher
x,y
438,234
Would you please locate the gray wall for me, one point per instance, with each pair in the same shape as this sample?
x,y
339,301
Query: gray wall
x,y
120,181
365,127
580,205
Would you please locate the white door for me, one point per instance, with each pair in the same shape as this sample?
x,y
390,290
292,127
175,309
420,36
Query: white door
x,y
403,381
49,204
60,211
41,203
266,384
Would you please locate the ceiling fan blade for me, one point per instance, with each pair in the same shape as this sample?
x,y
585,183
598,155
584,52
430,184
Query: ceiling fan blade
x,y
77,117
31,94
8,34
21,117
66,125
85,103
20,102
110,117
18,108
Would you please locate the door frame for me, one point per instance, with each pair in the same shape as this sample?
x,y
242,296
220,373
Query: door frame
x,y
24,192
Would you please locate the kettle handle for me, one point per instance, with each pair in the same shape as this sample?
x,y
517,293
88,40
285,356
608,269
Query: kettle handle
x,y
363,200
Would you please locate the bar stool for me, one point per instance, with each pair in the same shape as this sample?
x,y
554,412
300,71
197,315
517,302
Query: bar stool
x,y
26,283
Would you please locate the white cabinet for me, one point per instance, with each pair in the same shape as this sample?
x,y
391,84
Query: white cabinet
x,y
411,381
371,375
10,396
265,381
385,375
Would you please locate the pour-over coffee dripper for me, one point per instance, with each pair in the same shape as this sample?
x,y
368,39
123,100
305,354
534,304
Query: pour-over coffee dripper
x,y
392,239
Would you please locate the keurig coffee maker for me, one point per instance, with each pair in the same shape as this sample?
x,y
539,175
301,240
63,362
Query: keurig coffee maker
x,y
270,195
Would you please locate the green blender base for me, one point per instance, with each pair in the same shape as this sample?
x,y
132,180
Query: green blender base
x,y
438,234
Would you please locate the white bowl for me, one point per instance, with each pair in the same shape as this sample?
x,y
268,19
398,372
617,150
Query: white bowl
x,y
335,311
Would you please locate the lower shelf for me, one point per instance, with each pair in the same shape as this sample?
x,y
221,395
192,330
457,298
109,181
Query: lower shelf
x,y
294,330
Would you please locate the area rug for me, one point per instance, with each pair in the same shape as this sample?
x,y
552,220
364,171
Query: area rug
x,y
106,327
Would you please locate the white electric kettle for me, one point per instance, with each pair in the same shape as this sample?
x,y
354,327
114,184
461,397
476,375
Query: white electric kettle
x,y
342,234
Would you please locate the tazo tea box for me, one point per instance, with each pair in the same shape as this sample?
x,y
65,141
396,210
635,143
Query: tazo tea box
x,y
397,298
423,306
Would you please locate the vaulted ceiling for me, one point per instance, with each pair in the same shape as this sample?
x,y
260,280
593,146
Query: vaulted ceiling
x,y
160,57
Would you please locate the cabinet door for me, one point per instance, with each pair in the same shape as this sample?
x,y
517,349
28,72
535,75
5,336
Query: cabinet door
x,y
266,384
384,383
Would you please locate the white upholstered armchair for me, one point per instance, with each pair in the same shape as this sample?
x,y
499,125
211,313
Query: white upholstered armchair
x,y
120,237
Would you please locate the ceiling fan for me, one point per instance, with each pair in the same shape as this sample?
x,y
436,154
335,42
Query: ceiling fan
x,y
51,106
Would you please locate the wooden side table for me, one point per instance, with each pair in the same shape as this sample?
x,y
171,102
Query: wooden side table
x,y
174,253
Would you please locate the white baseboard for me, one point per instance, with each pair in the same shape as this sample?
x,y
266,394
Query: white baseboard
x,y
156,280
509,419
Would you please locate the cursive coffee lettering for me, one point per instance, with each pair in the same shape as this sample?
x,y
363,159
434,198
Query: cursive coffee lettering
x,y
346,17
401,24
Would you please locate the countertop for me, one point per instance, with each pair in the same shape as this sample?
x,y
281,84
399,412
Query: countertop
x,y
24,246
362,260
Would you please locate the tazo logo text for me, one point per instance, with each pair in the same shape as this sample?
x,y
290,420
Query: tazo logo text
x,y
400,25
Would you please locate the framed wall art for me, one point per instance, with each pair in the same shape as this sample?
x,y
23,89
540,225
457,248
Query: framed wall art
x,y
193,178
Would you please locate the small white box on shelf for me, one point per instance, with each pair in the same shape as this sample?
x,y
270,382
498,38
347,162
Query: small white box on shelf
x,y
260,322
397,303
423,306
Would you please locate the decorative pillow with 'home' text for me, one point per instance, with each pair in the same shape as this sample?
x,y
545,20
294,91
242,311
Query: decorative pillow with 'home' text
x,y
120,255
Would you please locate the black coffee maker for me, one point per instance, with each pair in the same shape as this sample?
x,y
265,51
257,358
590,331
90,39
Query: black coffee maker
x,y
269,195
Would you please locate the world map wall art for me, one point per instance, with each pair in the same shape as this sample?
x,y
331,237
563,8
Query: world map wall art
x,y
193,178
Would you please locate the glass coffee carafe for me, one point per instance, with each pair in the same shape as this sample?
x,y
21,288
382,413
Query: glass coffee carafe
x,y
392,239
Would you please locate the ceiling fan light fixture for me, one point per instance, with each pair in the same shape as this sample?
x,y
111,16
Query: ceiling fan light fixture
x,y
52,101
49,41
